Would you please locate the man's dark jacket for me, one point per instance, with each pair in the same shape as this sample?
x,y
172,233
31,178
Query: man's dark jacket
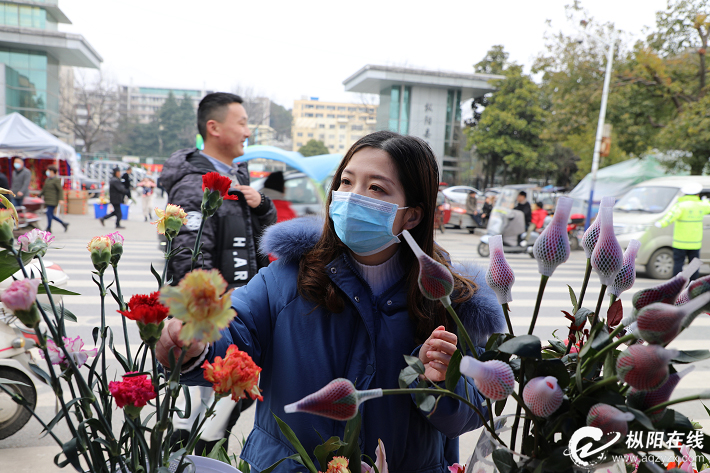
x,y
526,210
116,191
230,236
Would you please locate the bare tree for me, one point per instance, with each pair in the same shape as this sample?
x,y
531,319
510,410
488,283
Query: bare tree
x,y
257,106
89,110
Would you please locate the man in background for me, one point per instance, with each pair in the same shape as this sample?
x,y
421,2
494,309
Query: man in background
x,y
53,194
229,238
687,214
524,206
117,193
20,186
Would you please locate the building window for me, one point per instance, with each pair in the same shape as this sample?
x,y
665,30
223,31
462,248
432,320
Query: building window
x,y
350,117
310,135
399,109
308,106
363,118
332,127
321,137
341,109
331,137
351,109
330,107
341,147
361,109
452,137
356,127
309,114
299,133
330,115
319,107
342,127
342,137
341,116
321,125
299,144
319,115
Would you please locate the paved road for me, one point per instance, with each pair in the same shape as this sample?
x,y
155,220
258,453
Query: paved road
x,y
28,452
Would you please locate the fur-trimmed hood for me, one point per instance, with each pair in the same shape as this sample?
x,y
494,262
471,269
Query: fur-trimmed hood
x,y
482,315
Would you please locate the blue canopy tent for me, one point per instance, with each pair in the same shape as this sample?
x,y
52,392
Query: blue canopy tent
x,y
316,167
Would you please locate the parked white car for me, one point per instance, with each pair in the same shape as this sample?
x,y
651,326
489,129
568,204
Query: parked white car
x,y
459,194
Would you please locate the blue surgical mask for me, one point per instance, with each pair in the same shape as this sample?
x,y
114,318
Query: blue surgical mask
x,y
48,174
18,166
364,224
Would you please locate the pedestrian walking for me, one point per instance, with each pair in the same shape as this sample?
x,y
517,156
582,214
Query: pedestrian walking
x,y
687,215
117,193
53,196
147,185
20,185
126,180
338,304
229,238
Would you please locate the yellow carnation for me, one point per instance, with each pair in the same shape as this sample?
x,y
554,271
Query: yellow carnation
x,y
196,301
170,220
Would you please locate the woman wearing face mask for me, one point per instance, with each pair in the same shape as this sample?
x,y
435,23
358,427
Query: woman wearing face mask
x,y
342,301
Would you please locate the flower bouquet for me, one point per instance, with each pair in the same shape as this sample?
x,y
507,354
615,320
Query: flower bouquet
x,y
599,398
88,390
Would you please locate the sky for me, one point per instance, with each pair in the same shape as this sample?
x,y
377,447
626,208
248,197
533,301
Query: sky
x,y
286,50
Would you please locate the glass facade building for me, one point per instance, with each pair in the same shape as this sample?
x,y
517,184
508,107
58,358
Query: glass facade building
x,y
31,53
400,107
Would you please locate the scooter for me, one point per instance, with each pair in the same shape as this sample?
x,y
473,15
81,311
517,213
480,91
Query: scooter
x,y
15,359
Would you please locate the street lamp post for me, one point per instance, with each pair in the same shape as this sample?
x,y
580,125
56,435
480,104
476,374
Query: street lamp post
x,y
600,124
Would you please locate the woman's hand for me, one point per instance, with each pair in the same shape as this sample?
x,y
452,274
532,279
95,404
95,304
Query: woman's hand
x,y
436,353
169,341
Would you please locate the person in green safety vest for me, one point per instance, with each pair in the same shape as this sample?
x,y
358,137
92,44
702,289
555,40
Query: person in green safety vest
x,y
687,214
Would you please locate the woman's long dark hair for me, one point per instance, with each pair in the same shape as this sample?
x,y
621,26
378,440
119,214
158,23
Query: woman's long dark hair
x,y
419,176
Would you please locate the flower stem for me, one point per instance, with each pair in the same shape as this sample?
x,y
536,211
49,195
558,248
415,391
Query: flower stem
x,y
196,249
168,250
600,384
662,405
612,299
540,292
595,320
516,422
123,319
606,349
462,330
506,312
587,273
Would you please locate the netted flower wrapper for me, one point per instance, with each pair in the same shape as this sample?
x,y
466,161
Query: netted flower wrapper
x,y
590,237
435,280
551,248
644,367
500,276
643,400
607,257
543,395
626,277
659,323
338,400
668,291
609,419
694,289
494,379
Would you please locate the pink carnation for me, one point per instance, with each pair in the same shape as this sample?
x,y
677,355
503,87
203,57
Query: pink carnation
x,y
20,295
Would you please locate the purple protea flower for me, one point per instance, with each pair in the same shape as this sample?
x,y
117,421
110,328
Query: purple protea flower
x,y
607,257
643,400
494,378
435,280
626,277
644,367
543,395
551,248
338,400
668,291
589,240
500,275
609,419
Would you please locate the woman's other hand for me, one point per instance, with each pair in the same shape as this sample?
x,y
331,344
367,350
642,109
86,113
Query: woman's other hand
x,y
436,353
169,341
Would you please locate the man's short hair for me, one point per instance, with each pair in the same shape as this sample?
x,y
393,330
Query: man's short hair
x,y
52,168
523,193
214,107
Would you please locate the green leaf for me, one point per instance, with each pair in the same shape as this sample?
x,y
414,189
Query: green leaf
x,y
63,312
291,437
8,381
582,315
8,263
572,297
499,406
407,376
351,449
641,418
452,372
425,402
219,453
322,451
504,461
44,376
56,291
160,282
691,356
525,346
272,467
415,363
557,346
554,368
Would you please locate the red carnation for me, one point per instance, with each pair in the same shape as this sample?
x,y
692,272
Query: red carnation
x,y
214,181
146,308
236,373
133,391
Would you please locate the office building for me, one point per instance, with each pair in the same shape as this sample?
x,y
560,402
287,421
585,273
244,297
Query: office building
x,y
144,102
426,104
31,53
338,125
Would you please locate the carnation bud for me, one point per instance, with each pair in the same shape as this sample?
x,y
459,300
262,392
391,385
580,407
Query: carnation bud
x,y
644,367
589,240
116,240
607,257
20,299
338,400
694,289
435,280
626,277
667,292
100,249
35,241
644,400
551,248
7,224
609,419
543,395
500,276
660,323
494,378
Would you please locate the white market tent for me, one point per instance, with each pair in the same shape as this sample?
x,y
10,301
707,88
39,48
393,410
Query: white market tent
x,y
20,137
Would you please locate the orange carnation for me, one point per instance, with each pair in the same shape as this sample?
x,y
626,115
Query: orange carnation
x,y
236,373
